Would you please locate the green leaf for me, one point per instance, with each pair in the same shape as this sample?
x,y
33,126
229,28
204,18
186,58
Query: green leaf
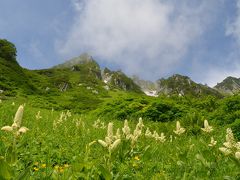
x,y
11,156
105,172
24,174
5,170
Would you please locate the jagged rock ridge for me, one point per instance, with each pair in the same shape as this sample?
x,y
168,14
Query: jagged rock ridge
x,y
183,85
230,85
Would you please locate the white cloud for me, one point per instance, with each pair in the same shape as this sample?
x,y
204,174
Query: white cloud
x,y
233,29
147,37
215,76
213,73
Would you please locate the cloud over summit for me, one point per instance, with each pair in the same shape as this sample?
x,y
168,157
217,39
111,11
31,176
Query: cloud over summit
x,y
145,37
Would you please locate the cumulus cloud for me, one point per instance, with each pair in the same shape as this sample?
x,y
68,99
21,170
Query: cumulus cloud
x,y
233,29
148,37
217,75
213,73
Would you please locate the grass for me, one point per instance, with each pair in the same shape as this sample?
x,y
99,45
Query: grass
x,y
67,147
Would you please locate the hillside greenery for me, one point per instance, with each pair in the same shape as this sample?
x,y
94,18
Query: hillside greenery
x,y
76,126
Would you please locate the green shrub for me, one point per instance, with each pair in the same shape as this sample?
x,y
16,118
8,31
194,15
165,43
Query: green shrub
x,y
236,129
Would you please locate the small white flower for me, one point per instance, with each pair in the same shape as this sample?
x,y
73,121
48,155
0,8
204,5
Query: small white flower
x,y
15,128
18,116
162,138
212,143
228,145
118,134
237,155
148,133
225,151
111,142
104,144
102,125
237,145
38,115
179,129
110,130
230,136
114,145
96,124
207,128
7,128
126,130
23,130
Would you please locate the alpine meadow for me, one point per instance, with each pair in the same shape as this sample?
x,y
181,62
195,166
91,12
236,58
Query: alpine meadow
x,y
79,121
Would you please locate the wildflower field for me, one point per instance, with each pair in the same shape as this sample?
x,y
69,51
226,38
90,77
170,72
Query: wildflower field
x,y
47,144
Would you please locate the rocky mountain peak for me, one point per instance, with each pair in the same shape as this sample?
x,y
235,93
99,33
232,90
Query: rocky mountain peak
x,y
230,85
183,85
84,58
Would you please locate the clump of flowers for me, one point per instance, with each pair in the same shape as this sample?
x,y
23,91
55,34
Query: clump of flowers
x,y
212,142
230,146
16,131
16,128
63,117
126,130
99,124
155,135
161,138
179,130
68,113
111,142
207,128
60,168
148,133
138,131
80,123
38,115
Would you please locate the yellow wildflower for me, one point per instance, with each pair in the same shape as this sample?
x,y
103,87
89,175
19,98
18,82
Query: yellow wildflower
x,y
36,169
66,165
136,158
61,170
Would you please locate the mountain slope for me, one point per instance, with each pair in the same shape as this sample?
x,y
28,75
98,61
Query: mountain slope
x,y
13,79
117,79
230,85
148,87
183,85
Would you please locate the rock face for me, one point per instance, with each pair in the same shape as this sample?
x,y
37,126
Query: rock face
x,y
117,79
148,87
183,85
84,63
230,85
82,59
175,85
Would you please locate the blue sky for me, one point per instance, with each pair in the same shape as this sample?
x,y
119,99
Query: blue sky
x,y
148,38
